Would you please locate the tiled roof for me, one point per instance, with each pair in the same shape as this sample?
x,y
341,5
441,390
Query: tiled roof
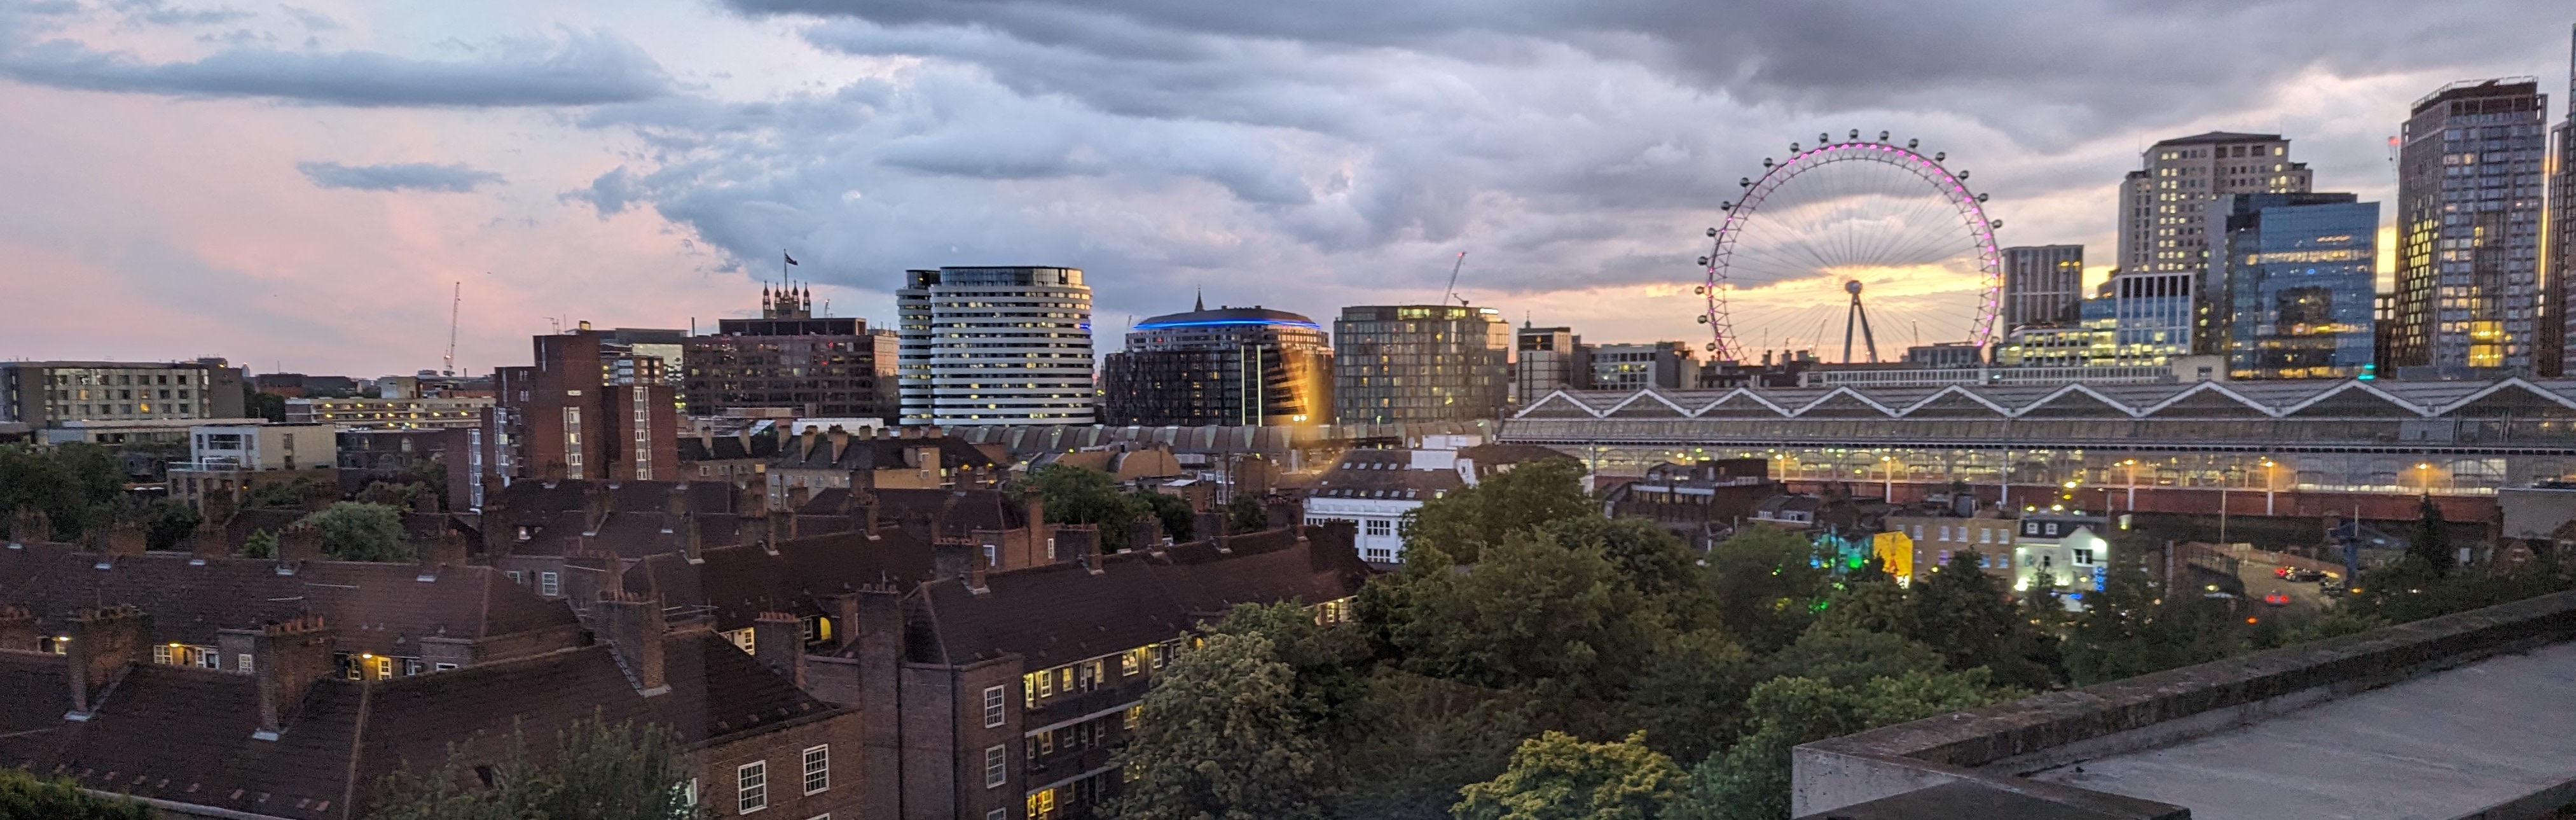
x,y
380,608
1384,474
1060,613
736,584
727,448
871,452
184,734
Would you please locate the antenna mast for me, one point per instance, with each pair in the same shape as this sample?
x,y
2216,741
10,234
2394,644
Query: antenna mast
x,y
1452,290
453,303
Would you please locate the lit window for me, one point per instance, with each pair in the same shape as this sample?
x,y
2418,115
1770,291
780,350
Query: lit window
x,y
818,769
996,766
751,786
992,706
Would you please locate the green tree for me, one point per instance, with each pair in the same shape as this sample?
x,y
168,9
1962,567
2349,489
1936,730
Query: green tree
x,y
1178,520
1221,737
1690,695
1246,513
1769,585
2432,542
24,796
1406,746
1328,661
1751,781
260,544
77,486
1532,616
1468,520
1851,657
1557,776
282,493
2129,629
1971,618
599,771
357,531
1650,558
260,405
167,523
1870,603
1074,495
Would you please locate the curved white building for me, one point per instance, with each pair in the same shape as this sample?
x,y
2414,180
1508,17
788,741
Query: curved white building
x,y
1005,345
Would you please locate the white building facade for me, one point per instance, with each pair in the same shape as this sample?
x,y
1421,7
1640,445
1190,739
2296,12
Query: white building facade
x,y
983,346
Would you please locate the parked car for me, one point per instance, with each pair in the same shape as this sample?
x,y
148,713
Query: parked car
x,y
2277,598
2281,572
2307,576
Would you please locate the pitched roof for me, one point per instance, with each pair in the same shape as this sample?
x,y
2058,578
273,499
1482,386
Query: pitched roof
x,y
862,452
1387,474
1061,613
380,608
738,583
184,734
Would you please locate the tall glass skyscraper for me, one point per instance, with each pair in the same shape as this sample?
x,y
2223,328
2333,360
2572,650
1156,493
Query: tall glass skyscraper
x,y
2468,230
2295,275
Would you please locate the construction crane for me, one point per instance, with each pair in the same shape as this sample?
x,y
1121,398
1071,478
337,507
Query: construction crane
x,y
457,301
1452,291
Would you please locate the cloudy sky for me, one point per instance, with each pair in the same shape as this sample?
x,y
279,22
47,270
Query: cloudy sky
x,y
297,186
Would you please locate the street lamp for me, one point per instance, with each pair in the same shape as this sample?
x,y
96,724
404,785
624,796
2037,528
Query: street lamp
x,y
2130,476
2267,486
2424,476
1887,477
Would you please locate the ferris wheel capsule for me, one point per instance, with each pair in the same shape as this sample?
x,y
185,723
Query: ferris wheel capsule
x,y
1997,224
1981,197
1938,156
1909,144
1793,148
1855,135
1766,162
1703,318
1882,136
1744,182
1726,206
1699,290
1712,231
1963,175
1822,138
1703,261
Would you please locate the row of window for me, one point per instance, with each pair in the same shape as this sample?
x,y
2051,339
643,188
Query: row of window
x,y
751,780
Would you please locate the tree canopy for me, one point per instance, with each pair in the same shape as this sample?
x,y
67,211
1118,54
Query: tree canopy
x,y
358,531
1557,776
599,771
1469,519
24,796
1223,736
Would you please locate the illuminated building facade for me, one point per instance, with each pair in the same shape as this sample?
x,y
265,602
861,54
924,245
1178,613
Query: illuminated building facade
x,y
2042,284
787,358
1228,366
2468,222
1001,345
2297,278
1409,363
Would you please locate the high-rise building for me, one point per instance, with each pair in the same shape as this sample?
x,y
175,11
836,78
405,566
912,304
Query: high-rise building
x,y
2298,275
567,417
1228,366
2161,205
1668,365
50,394
2468,230
2043,284
1405,363
2562,222
2152,316
788,358
1001,345
1546,360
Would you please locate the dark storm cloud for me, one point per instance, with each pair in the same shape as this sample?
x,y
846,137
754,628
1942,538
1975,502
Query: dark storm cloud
x,y
1337,151
579,69
415,176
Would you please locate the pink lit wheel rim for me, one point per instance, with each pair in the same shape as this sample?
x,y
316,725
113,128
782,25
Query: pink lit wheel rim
x,y
1781,267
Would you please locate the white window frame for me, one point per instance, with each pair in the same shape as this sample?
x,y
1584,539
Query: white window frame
x,y
817,764
993,706
998,814
550,584
751,787
997,766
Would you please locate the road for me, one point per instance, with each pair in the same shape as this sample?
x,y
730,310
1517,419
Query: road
x,y
2259,581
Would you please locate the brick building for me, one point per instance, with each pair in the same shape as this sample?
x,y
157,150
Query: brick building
x,y
572,415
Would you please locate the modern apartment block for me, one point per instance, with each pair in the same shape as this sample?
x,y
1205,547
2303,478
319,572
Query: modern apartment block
x,y
49,394
2043,284
997,345
1229,366
1546,360
564,417
2468,230
390,414
2162,204
1406,363
788,358
230,458
2562,224
2298,277
2154,315
1668,365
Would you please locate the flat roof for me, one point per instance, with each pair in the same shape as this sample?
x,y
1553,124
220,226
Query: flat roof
x,y
2449,744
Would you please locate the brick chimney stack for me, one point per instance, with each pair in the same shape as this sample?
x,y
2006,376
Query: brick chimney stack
x,y
18,629
287,658
751,500
124,538
633,626
878,633
778,642
103,642
596,503
675,506
298,543
498,533
690,540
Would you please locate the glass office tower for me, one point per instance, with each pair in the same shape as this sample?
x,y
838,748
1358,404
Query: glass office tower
x,y
2295,281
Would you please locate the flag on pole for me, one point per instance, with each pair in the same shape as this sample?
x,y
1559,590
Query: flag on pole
x,y
791,259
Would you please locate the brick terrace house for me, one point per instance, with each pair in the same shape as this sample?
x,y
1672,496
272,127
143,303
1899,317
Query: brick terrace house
x,y
285,737
911,458
1002,695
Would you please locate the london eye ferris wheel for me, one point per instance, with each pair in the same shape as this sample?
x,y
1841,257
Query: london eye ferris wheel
x,y
1810,235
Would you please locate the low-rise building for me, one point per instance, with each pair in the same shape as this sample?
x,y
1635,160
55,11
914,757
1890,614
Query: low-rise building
x,y
50,394
912,458
389,414
1698,501
231,458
